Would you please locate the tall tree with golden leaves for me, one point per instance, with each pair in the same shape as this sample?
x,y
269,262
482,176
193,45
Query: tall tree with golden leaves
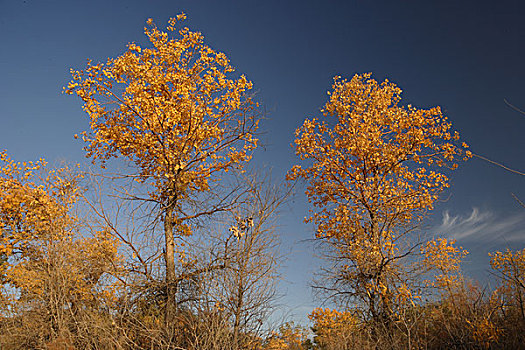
x,y
373,172
174,111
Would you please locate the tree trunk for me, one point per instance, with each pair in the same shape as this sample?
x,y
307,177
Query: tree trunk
x,y
237,315
169,257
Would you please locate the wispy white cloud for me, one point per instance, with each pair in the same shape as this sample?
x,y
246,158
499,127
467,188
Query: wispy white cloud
x,y
483,226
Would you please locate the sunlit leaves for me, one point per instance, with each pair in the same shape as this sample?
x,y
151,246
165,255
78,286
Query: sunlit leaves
x,y
443,257
510,268
371,156
44,256
373,169
289,337
332,327
172,109
175,111
34,202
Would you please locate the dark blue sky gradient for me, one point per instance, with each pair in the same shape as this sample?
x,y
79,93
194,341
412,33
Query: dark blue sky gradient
x,y
466,56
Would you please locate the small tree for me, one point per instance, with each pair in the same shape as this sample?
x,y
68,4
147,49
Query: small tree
x,y
334,330
373,173
288,337
176,114
230,306
510,268
55,285
248,286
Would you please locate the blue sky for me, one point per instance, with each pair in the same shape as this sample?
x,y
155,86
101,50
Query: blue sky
x,y
466,56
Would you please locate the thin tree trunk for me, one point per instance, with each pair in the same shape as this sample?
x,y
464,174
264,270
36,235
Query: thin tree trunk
x,y
237,315
170,264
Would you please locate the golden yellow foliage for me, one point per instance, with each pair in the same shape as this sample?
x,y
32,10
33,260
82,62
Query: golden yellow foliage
x,y
332,326
289,337
442,256
373,173
373,165
34,203
510,267
171,109
176,112
485,333
52,276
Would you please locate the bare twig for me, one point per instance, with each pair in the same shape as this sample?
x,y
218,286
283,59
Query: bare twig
x,y
499,164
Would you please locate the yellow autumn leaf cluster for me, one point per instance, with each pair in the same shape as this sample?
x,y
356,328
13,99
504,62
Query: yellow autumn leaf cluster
x,y
172,109
289,337
42,253
373,169
509,263
34,202
179,115
510,267
442,256
373,160
485,332
331,326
